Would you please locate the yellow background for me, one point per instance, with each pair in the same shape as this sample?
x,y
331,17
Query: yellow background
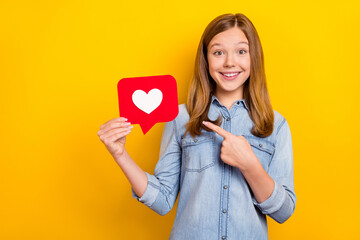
x,y
60,62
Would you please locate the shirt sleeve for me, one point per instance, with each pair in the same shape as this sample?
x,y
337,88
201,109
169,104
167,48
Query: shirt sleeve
x,y
163,187
281,203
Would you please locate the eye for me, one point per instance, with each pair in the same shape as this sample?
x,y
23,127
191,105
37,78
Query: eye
x,y
242,52
218,53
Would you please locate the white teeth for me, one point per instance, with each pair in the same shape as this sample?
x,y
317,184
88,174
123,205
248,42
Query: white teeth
x,y
230,74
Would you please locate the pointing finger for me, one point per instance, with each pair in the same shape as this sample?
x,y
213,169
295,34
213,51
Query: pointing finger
x,y
216,129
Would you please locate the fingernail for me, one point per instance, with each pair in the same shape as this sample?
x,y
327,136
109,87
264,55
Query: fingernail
x,y
204,122
131,126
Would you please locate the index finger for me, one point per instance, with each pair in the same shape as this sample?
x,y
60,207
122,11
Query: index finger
x,y
216,129
121,119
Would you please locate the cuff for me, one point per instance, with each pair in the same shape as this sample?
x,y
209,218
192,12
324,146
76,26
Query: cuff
x,y
151,191
274,202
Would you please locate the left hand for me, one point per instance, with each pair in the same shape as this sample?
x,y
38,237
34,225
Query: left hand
x,y
235,150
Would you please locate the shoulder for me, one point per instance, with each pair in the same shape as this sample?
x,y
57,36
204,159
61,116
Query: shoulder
x,y
183,112
279,122
179,123
183,116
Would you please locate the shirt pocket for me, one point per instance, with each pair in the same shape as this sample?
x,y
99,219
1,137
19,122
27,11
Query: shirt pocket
x,y
263,149
198,152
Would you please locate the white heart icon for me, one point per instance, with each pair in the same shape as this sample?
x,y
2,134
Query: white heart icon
x,y
147,102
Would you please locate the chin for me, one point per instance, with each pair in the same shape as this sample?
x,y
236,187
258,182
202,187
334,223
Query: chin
x,y
229,88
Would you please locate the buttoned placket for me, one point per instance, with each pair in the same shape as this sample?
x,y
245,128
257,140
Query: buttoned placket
x,y
225,182
226,169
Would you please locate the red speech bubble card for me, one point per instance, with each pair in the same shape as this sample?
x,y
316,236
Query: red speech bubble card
x,y
148,100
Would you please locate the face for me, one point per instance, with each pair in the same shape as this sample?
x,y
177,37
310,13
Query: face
x,y
229,61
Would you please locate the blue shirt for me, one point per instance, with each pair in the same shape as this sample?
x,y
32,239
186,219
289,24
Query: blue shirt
x,y
215,201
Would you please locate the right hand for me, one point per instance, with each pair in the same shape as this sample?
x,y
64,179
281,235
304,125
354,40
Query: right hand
x,y
113,135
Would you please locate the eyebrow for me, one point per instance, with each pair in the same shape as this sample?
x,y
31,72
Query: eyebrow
x,y
218,44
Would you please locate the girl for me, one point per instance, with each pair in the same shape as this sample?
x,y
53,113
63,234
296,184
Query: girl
x,y
228,154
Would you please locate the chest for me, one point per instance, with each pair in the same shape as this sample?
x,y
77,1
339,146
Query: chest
x,y
200,153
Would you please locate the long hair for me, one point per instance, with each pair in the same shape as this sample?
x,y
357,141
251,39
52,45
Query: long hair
x,y
255,93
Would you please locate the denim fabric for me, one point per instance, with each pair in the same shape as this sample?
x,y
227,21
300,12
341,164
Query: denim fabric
x,y
215,201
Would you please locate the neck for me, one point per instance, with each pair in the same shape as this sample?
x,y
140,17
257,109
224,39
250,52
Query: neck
x,y
228,98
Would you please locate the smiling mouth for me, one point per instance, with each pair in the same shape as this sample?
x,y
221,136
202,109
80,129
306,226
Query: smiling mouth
x,y
230,74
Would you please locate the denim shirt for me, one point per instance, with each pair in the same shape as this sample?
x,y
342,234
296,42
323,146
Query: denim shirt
x,y
215,201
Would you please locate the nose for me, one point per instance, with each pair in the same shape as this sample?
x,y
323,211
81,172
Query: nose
x,y
229,61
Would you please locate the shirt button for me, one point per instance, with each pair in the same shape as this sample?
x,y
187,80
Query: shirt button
x,y
195,140
238,103
260,145
228,119
225,187
223,237
224,211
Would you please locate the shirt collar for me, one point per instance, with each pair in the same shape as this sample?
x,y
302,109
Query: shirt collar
x,y
240,102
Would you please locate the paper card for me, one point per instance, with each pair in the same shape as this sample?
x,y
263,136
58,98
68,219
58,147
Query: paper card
x,y
148,100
